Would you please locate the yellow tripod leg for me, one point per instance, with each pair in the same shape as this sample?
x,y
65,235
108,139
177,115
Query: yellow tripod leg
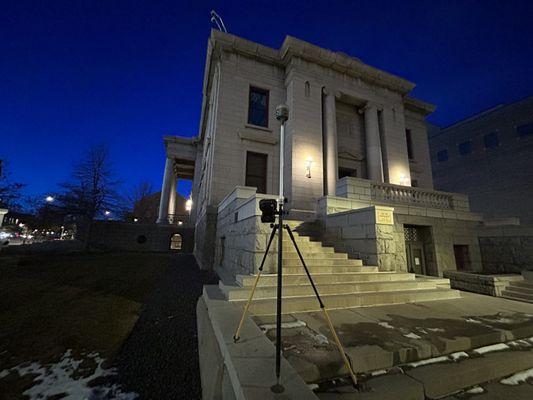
x,y
339,346
236,337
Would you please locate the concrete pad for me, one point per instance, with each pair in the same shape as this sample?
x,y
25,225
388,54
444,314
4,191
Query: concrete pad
x,y
469,371
387,387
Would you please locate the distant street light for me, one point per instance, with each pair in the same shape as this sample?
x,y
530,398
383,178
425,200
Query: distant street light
x,y
107,213
49,199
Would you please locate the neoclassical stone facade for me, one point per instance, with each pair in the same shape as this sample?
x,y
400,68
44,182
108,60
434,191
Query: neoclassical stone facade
x,y
357,164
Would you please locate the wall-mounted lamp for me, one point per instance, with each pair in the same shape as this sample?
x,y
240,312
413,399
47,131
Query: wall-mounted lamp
x,y
403,180
308,165
188,205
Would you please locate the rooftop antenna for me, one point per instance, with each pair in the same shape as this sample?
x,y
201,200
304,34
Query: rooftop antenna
x,y
217,19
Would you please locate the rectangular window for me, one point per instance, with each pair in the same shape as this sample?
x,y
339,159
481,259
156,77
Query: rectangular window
x,y
524,130
465,147
256,171
409,140
442,155
258,107
491,140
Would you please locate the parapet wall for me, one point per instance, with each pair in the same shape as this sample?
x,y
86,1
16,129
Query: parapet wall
x,y
506,249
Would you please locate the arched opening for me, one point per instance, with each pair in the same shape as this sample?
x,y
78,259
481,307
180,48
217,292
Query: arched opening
x,y
175,241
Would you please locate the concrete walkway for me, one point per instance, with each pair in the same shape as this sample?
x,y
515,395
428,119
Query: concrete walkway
x,y
380,338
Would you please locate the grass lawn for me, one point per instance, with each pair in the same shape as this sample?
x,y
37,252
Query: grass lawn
x,y
83,302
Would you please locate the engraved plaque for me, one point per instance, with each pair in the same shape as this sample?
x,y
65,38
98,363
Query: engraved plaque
x,y
384,217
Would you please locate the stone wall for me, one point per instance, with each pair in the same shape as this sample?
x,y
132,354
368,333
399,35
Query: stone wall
x,y
204,238
506,249
242,238
113,235
368,234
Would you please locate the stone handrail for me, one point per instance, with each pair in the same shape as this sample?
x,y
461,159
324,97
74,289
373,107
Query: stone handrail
x,y
384,192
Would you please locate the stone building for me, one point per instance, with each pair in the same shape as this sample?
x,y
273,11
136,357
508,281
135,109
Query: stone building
x,y
357,165
489,157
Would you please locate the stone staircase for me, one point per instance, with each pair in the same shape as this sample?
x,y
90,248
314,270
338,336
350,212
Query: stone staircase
x,y
342,282
519,290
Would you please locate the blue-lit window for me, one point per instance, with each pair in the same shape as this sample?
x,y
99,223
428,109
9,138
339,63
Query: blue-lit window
x,y
442,155
258,107
524,130
465,147
491,140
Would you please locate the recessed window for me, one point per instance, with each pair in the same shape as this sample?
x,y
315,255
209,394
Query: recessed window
x,y
347,172
465,148
258,107
442,155
175,241
410,152
524,130
256,171
491,140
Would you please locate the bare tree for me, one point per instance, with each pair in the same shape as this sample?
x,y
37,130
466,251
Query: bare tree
x,y
9,191
92,190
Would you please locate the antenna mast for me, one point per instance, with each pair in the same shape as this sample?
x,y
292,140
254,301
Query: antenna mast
x,y
217,19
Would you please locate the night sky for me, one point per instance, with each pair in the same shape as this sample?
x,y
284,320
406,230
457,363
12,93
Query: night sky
x,y
76,73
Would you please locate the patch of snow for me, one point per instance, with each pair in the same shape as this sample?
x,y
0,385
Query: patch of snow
x,y
312,386
4,373
379,372
520,343
321,339
518,378
476,390
492,347
429,361
284,325
435,329
385,325
412,335
458,355
473,321
56,379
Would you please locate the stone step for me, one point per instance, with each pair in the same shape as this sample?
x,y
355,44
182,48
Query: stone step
x,y
264,292
525,284
520,289
308,249
322,262
314,254
322,279
350,300
328,269
512,295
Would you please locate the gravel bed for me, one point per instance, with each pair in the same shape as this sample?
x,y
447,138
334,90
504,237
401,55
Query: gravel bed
x,y
159,360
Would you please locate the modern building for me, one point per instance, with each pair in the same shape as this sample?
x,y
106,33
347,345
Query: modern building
x,y
357,165
489,156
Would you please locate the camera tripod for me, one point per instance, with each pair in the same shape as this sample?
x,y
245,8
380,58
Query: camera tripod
x,y
279,228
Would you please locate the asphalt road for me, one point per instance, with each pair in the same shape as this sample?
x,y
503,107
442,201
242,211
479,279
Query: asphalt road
x,y
159,360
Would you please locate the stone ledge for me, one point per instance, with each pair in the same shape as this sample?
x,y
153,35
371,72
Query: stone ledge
x,y
492,285
248,364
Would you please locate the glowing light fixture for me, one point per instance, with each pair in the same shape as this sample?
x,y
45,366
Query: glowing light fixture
x,y
403,180
308,165
188,204
49,199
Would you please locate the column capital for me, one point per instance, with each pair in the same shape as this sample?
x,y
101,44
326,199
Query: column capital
x,y
372,105
329,91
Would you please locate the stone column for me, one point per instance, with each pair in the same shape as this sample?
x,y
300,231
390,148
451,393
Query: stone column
x,y
165,192
330,142
374,163
172,195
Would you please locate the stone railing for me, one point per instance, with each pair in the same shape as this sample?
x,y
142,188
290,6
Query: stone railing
x,y
383,192
178,219
366,193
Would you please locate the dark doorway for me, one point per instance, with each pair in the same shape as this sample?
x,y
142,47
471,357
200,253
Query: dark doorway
x,y
256,171
462,257
419,249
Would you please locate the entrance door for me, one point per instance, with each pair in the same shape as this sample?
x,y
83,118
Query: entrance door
x,y
415,258
414,247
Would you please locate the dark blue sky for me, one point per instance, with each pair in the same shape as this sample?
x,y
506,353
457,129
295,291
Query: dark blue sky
x,y
75,73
